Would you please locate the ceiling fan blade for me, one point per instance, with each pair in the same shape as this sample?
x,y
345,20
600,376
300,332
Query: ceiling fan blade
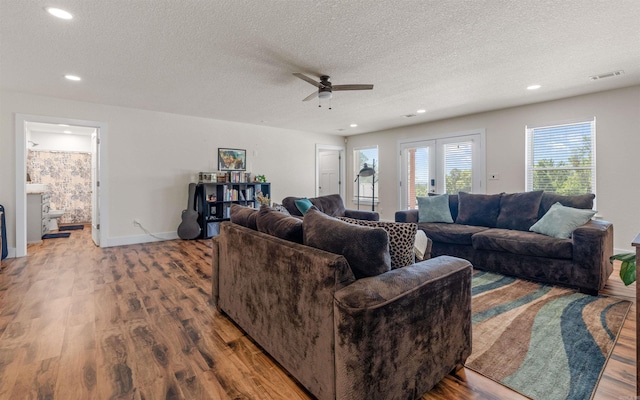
x,y
311,96
352,87
307,79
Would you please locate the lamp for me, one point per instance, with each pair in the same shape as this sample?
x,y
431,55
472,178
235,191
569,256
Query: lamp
x,y
368,171
324,93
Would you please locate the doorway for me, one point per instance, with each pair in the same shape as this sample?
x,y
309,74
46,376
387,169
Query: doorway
x,y
96,133
445,165
330,170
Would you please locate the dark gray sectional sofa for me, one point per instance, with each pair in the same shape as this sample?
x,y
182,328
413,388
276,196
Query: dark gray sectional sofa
x,y
492,232
391,335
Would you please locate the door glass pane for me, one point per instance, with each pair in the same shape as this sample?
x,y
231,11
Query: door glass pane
x,y
457,167
418,174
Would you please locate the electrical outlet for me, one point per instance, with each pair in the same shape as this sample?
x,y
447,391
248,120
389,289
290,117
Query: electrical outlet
x,y
494,177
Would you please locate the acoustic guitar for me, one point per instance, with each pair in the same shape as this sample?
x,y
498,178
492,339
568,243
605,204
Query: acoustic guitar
x,y
189,227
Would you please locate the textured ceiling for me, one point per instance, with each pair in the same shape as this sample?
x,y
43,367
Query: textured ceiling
x,y
233,60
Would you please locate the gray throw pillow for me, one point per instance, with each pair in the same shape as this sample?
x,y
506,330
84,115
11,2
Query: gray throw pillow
x,y
279,225
366,249
434,209
518,211
582,201
478,209
561,221
453,204
402,237
245,216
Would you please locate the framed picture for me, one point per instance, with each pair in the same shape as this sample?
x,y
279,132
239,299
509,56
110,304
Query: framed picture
x,y
232,159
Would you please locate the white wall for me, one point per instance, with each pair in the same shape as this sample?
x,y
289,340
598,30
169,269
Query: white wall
x,y
48,141
617,115
152,156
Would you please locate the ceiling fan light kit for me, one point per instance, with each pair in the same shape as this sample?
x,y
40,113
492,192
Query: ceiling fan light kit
x,y
326,88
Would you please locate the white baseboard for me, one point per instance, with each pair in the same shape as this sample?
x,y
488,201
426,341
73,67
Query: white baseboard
x,y
618,251
137,239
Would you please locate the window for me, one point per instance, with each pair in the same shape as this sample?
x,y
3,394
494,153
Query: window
x,y
457,166
561,158
365,186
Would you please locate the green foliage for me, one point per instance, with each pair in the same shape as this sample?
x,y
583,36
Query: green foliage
x,y
628,267
458,180
567,178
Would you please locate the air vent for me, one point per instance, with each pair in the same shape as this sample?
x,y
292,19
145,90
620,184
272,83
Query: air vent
x,y
409,115
606,75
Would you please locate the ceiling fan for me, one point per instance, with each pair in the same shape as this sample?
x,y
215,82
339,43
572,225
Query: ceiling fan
x,y
325,88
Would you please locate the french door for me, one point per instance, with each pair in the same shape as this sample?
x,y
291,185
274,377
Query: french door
x,y
447,165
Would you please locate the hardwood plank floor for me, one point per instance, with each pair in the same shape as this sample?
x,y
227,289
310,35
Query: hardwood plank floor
x,y
136,322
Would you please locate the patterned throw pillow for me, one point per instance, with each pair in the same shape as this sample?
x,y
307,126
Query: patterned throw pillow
x,y
402,237
281,208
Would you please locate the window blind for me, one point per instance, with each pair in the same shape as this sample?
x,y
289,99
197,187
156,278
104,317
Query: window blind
x,y
561,158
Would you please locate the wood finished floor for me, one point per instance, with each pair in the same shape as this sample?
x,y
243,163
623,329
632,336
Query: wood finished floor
x,y
135,322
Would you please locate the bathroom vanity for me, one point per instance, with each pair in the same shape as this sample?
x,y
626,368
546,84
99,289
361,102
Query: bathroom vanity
x,y
37,215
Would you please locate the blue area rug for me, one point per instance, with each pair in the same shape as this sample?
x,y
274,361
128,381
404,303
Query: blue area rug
x,y
56,235
71,227
543,341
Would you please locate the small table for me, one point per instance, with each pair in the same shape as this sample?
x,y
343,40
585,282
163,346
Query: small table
x,y
636,244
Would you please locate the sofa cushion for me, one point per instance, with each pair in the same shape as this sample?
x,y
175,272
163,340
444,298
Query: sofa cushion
x,y
365,248
478,209
523,243
453,204
402,237
450,233
434,209
561,221
279,225
519,210
245,216
583,201
331,205
303,205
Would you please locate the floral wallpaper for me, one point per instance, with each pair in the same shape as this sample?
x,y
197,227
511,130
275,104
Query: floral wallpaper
x,y
69,178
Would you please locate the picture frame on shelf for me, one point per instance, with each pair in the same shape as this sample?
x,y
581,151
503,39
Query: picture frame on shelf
x,y
232,159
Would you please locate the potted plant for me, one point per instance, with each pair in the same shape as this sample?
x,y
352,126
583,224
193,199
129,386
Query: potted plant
x,y
628,267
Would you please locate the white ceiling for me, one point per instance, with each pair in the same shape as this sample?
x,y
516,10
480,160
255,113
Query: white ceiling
x,y
233,59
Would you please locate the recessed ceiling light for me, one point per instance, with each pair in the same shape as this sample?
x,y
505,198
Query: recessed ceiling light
x,y
421,111
67,131
57,12
533,87
353,125
63,125
73,77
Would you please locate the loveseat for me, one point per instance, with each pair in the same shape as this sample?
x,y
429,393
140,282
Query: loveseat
x,y
492,232
393,335
331,205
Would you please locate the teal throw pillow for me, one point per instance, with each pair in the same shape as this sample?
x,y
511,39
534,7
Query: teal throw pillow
x,y
434,209
303,205
561,221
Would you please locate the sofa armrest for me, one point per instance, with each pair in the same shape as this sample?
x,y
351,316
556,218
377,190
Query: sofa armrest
x,y
361,214
415,319
407,216
592,247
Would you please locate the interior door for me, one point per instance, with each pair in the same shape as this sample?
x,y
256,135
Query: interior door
x,y
328,172
95,188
